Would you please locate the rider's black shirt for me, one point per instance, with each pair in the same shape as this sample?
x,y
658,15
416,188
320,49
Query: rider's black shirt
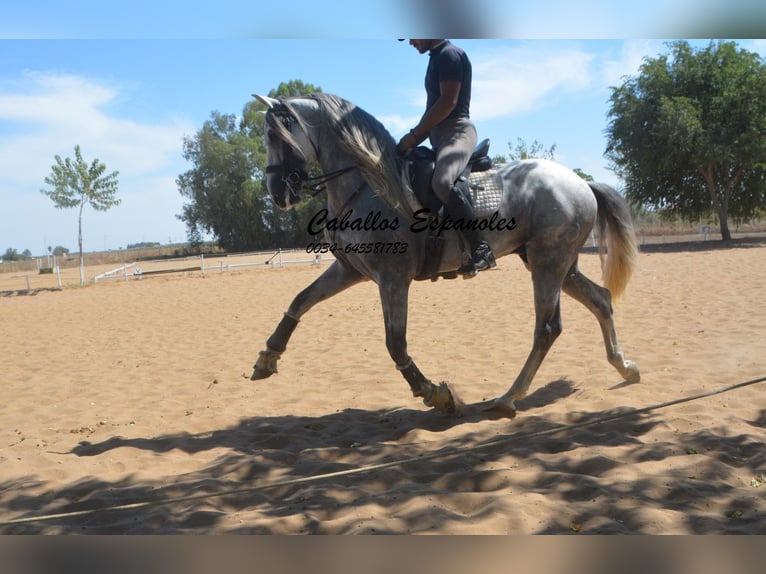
x,y
448,62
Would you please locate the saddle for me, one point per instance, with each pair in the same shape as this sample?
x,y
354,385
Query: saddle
x,y
419,164
420,168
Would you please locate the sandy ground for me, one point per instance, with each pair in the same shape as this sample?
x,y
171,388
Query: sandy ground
x,y
138,392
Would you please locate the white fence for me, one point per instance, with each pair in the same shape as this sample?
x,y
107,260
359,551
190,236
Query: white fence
x,y
30,281
213,263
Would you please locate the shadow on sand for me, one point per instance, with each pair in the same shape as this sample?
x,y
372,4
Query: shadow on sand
x,y
260,448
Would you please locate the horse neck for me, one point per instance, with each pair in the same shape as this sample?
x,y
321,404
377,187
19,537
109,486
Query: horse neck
x,y
332,157
342,190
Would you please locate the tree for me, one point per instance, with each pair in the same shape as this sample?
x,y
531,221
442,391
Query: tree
x,y
535,150
583,175
223,184
226,186
522,150
688,134
77,184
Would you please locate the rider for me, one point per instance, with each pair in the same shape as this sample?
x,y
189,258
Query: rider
x,y
447,123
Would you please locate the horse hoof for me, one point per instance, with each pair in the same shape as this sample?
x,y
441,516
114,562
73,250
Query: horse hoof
x,y
259,374
265,366
445,401
501,409
634,375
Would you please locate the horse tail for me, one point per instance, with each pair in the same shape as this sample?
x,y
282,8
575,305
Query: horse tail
x,y
618,247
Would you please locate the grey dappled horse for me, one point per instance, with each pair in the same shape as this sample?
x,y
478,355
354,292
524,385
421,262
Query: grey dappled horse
x,y
371,223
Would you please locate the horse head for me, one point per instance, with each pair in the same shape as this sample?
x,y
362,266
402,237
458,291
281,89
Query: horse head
x,y
290,151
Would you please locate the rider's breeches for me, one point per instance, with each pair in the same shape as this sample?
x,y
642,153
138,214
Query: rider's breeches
x,y
454,142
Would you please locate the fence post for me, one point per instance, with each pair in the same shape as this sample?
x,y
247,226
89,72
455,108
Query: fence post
x,y
202,263
58,276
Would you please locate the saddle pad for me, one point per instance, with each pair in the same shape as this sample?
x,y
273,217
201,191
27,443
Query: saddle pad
x,y
486,191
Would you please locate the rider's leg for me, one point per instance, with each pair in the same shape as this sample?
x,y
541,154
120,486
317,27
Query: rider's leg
x,y
459,208
454,142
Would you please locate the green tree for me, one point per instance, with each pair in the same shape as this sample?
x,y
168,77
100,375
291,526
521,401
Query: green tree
x,y
226,187
535,150
688,134
583,175
223,186
523,150
77,184
293,88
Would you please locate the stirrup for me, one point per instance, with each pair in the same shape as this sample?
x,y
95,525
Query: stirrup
x,y
468,270
481,259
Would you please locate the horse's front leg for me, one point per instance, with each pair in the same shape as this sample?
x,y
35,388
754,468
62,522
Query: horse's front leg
x,y
335,279
393,298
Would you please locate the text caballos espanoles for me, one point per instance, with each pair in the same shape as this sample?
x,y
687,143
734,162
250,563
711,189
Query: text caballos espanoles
x,y
423,220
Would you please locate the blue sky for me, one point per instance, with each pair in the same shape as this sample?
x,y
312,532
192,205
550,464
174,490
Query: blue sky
x,y
128,89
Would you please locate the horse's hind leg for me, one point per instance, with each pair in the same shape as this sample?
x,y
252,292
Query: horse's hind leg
x,y
335,279
599,301
546,280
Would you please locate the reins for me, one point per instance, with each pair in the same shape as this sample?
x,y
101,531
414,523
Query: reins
x,y
297,179
316,185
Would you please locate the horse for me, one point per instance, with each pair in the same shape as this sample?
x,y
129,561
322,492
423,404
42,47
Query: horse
x,y
377,229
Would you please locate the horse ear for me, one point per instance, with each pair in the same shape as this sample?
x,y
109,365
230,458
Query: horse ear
x,y
266,100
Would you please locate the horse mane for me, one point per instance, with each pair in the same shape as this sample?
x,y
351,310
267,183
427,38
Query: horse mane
x,y
372,147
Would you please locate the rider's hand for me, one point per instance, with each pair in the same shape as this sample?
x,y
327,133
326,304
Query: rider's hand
x,y
408,141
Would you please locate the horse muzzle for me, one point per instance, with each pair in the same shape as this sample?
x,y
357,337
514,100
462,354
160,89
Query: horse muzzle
x,y
285,186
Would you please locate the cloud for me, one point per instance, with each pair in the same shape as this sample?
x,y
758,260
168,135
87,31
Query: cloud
x,y
758,46
518,80
398,125
533,75
626,63
521,79
43,114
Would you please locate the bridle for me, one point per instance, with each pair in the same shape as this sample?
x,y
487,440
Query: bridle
x,y
296,179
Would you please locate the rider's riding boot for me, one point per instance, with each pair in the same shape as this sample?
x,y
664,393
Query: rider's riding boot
x,y
458,207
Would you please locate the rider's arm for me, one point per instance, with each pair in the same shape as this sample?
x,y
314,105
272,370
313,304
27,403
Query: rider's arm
x,y
449,91
448,96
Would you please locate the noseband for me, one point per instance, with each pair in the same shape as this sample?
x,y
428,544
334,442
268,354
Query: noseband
x,y
294,180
